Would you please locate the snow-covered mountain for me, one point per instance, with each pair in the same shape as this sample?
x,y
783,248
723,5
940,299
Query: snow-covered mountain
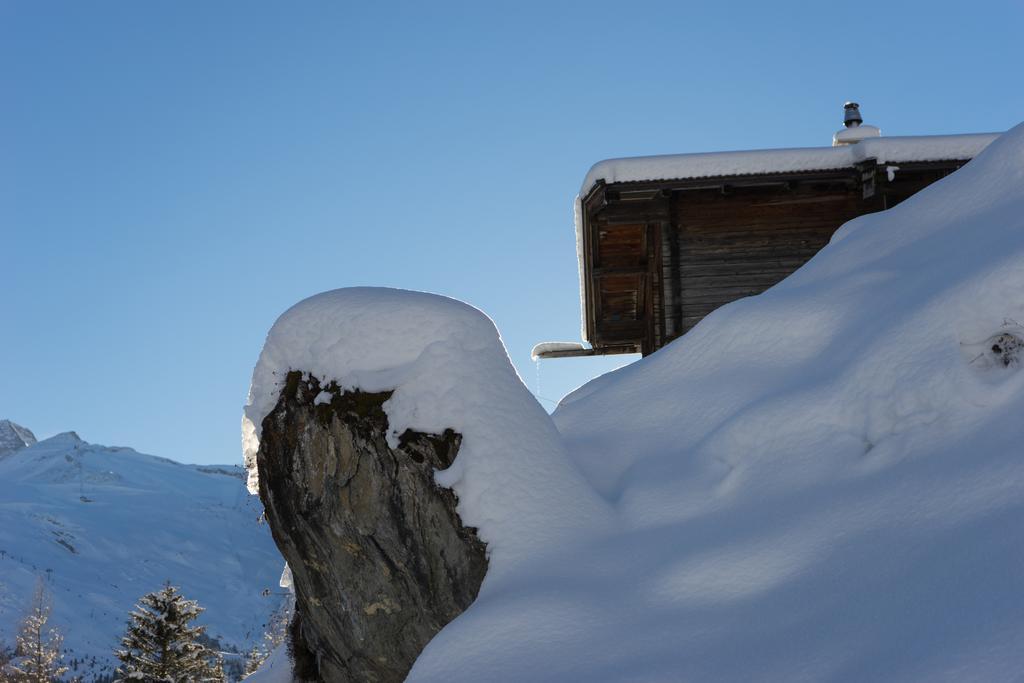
x,y
14,437
104,525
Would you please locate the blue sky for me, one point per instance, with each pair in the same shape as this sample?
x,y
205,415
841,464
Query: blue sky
x,y
174,175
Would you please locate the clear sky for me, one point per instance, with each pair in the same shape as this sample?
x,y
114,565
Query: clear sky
x,y
174,175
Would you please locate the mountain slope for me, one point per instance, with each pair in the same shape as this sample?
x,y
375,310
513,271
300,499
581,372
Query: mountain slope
x,y
14,437
102,526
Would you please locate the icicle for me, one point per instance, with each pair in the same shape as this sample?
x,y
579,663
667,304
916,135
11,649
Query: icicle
x,y
536,392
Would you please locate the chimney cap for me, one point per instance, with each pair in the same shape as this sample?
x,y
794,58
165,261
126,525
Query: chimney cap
x,y
854,129
851,115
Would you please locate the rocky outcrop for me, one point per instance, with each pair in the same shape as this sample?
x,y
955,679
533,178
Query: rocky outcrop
x,y
380,559
14,437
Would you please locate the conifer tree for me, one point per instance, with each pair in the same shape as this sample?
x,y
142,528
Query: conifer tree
x,y
6,655
160,645
254,659
37,655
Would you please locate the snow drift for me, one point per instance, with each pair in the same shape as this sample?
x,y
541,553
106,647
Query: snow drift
x,y
820,483
823,482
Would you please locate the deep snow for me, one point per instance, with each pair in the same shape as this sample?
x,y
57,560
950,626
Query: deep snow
x,y
823,482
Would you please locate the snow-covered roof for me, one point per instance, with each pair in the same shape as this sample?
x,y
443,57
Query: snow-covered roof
x,y
795,160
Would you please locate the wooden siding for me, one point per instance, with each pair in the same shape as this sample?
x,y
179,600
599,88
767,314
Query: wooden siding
x,y
622,258
740,244
660,256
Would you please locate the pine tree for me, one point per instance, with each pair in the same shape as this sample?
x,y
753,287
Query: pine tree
x,y
37,655
160,645
6,655
254,660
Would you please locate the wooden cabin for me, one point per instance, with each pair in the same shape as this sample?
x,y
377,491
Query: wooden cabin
x,y
665,240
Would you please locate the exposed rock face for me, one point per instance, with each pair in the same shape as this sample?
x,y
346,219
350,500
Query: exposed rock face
x,y
14,437
379,558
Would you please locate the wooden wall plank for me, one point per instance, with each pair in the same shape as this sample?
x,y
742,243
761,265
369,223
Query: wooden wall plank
x,y
740,244
655,265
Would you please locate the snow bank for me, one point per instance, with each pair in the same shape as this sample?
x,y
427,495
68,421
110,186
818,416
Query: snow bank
x,y
823,482
448,369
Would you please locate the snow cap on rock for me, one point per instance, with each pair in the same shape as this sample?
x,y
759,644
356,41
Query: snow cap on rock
x,y
446,364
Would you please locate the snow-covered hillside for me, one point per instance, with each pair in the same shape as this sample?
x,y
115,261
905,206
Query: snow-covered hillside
x,y
821,483
102,526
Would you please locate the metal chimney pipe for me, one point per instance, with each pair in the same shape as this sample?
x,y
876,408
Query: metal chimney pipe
x,y
851,115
